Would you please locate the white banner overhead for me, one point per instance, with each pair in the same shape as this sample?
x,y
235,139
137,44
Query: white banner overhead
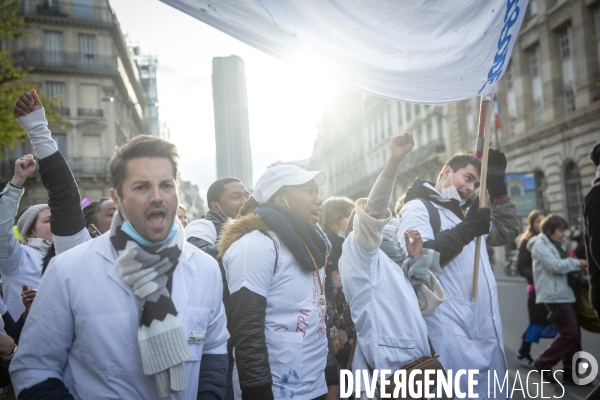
x,y
424,51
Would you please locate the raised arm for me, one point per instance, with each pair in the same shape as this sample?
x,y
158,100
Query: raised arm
x,y
368,230
9,204
67,221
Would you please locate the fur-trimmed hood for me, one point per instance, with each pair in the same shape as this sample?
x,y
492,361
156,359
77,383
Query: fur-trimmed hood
x,y
233,230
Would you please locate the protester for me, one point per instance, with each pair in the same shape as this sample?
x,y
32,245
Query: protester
x,y
98,216
274,256
466,334
591,218
551,265
182,215
21,263
225,197
380,278
8,348
80,342
538,323
591,229
334,222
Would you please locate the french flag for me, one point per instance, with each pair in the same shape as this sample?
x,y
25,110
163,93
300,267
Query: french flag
x,y
497,123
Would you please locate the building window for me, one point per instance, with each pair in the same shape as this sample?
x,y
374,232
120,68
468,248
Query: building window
x,y
569,99
429,132
417,109
512,123
57,90
538,112
400,121
541,192
440,128
565,42
87,50
531,9
509,77
534,61
573,192
408,112
61,142
536,84
53,48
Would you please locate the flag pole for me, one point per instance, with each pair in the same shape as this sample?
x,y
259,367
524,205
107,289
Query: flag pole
x,y
483,144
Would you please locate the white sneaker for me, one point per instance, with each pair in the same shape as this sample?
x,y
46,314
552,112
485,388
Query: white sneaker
x,y
525,361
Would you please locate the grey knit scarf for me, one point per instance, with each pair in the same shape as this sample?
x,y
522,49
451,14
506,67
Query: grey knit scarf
x,y
163,345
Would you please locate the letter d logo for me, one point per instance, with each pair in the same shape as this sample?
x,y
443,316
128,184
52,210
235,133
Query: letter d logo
x,y
588,366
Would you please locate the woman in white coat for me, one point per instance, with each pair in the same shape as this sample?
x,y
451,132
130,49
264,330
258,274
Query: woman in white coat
x,y
388,291
21,263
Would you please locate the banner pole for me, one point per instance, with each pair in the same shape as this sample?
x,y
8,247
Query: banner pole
x,y
483,144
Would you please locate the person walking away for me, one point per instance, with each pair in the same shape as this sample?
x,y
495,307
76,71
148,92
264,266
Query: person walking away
x,y
538,323
551,265
466,334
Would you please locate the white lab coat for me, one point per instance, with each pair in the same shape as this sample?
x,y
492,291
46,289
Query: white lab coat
x,y
466,334
295,331
390,328
82,327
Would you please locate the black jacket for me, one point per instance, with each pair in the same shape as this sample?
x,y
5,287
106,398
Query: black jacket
x,y
591,220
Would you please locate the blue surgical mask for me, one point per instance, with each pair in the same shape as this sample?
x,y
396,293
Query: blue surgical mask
x,y
132,233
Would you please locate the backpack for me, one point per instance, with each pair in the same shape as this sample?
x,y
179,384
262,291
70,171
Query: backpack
x,y
434,216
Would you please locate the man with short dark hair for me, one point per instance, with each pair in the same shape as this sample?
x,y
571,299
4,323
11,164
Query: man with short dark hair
x,y
136,313
225,198
466,334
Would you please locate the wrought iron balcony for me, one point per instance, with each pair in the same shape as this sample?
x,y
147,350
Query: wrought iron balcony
x,y
82,165
63,59
64,111
59,9
90,112
78,165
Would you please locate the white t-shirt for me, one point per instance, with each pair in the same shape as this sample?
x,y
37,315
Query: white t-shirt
x,y
295,324
202,229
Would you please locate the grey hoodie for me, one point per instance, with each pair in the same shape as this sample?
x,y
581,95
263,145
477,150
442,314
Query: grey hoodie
x,y
550,271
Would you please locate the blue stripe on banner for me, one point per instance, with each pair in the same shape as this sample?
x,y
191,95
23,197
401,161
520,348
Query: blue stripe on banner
x,y
510,18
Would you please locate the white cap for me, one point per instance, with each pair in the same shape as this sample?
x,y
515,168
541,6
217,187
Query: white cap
x,y
279,176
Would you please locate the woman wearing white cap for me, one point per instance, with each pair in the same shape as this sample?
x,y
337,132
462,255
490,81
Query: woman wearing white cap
x,y
274,256
21,264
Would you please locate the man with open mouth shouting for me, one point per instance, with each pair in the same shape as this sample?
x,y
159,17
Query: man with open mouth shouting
x,y
132,313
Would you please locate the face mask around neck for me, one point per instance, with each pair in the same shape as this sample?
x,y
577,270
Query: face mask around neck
x,y
227,217
451,193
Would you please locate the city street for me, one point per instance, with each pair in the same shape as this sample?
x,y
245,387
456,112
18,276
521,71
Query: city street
x,y
513,308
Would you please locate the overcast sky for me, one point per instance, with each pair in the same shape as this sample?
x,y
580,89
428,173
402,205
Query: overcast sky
x,y
285,101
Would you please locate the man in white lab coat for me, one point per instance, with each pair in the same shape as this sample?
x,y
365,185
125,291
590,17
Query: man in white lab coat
x,y
466,334
135,313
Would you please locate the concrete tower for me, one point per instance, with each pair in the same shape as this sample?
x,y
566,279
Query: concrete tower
x,y
231,119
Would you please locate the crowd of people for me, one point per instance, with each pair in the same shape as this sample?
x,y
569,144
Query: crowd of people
x,y
270,294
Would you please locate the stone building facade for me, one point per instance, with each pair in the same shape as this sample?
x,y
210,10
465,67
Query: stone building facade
x,y
77,52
